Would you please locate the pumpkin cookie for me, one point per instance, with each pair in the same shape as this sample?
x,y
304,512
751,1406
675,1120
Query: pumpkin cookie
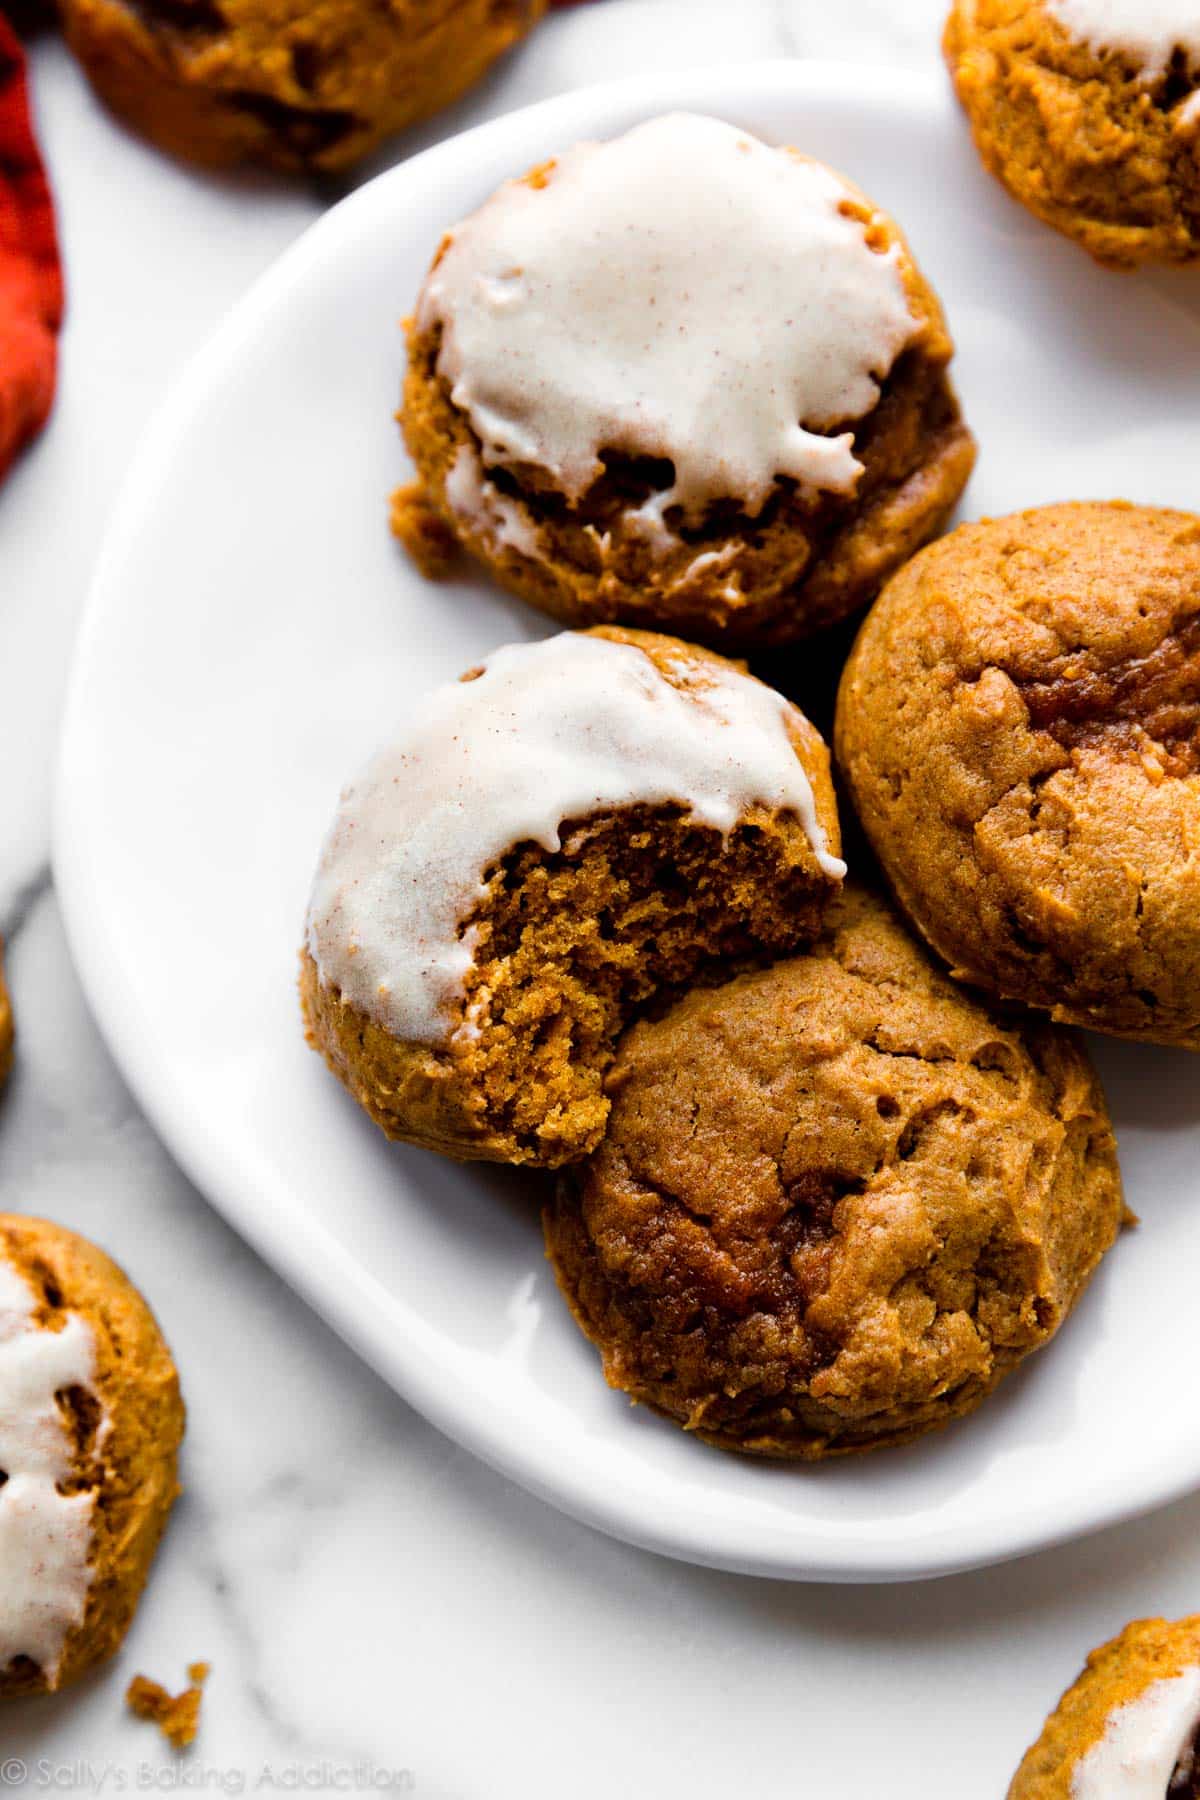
x,y
683,380
1019,728
90,1424
1128,1727
576,825
1089,112
837,1200
292,85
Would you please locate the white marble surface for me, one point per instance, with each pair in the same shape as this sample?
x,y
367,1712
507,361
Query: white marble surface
x,y
373,1601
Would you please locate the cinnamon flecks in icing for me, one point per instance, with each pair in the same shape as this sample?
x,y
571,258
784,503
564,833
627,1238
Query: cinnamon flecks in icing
x,y
684,292
1136,1758
45,1534
549,732
1146,33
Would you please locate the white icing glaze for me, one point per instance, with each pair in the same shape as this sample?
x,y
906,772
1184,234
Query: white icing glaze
x,y
1146,32
1142,1742
553,731
647,521
479,502
708,562
45,1536
682,292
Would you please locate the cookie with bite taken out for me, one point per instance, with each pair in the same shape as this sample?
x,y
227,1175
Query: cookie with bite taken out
x,y
549,846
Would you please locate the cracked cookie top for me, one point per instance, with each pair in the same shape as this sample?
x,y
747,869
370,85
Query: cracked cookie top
x,y
1020,727
293,84
837,1200
1089,113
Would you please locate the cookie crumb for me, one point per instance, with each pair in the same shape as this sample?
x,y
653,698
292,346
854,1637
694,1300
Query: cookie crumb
x,y
176,1715
426,537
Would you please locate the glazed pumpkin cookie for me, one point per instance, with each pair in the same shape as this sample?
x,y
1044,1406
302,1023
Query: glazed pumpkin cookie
x,y
1019,727
1089,112
837,1200
576,825
90,1424
1128,1727
291,85
682,380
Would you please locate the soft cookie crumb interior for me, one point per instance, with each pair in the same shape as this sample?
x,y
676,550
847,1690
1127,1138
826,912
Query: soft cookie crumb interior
x,y
570,946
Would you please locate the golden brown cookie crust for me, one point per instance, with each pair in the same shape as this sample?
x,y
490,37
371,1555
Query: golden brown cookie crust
x,y
1019,728
290,85
837,1200
570,946
1147,1651
1110,160
131,1468
799,565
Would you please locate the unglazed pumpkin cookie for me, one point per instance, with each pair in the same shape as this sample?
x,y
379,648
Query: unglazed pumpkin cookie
x,y
90,1425
683,380
1089,112
1127,1729
292,85
837,1200
575,826
1019,727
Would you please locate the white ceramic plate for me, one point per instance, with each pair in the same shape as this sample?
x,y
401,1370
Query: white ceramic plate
x,y
253,632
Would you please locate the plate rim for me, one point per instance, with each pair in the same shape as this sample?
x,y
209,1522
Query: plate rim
x,y
295,1246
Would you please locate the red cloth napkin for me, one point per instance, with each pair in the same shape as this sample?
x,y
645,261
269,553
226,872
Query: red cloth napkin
x,y
31,289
